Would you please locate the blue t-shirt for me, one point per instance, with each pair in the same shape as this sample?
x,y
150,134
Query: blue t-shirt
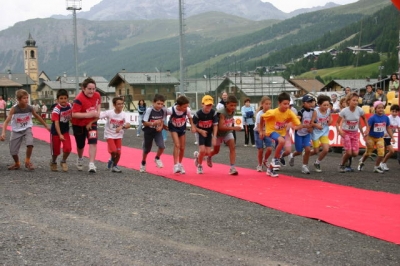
x,y
378,124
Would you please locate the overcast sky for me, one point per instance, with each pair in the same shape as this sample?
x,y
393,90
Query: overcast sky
x,y
13,11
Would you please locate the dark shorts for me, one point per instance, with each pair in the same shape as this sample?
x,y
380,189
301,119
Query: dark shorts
x,y
388,142
180,131
81,134
206,141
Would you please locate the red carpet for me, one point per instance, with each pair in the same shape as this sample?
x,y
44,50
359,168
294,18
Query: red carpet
x,y
372,213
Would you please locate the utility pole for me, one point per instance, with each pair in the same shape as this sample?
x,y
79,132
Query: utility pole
x,y
181,48
75,5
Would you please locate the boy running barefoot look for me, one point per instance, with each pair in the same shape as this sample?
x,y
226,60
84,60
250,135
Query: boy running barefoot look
x,y
225,130
153,124
206,121
275,126
114,132
20,116
177,126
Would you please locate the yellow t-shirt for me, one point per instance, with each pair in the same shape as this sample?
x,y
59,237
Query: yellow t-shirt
x,y
276,121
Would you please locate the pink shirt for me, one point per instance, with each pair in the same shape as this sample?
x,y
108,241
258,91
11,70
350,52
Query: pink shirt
x,y
2,104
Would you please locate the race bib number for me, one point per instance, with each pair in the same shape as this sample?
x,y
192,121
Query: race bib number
x,y
23,121
280,125
352,125
92,134
379,127
178,122
323,121
205,124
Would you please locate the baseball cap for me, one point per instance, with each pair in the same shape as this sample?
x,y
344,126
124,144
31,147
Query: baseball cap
x,y
207,99
308,98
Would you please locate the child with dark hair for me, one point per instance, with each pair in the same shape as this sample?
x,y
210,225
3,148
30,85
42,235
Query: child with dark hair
x,y
348,125
378,125
225,129
85,113
302,137
321,120
153,124
114,132
276,121
59,133
177,126
248,114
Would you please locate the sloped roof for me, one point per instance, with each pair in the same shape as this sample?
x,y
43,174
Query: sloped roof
x,y
310,85
260,86
20,78
5,82
354,83
202,85
144,78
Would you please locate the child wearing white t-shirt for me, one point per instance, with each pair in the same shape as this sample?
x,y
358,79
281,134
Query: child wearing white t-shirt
x,y
114,131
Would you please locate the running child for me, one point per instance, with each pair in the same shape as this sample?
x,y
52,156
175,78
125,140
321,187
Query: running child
x,y
321,120
394,125
85,113
153,124
276,121
206,122
302,137
20,116
177,126
225,129
260,138
377,124
59,133
114,132
347,125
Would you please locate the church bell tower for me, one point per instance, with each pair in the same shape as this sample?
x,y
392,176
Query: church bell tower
x,y
31,64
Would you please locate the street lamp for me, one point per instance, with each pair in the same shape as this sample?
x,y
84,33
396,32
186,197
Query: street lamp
x,y
75,5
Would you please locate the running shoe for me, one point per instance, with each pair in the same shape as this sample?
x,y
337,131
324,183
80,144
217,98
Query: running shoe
x,y
259,168
378,169
116,169
282,161
384,167
177,169
317,167
53,166
79,164
64,166
233,171
200,169
291,159
271,172
109,164
305,170
360,166
159,163
92,168
342,169
209,161
142,168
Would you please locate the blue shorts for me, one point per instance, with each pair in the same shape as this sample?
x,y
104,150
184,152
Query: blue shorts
x,y
275,136
261,143
301,142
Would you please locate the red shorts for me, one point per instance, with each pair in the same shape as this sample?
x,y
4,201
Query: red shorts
x,y
56,144
114,145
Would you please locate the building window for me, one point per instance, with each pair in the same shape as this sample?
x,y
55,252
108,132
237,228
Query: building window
x,y
119,92
32,54
142,91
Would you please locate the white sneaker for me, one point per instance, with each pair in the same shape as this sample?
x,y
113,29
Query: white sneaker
x,y
271,172
200,169
79,164
377,169
142,168
92,168
259,168
196,158
384,167
305,170
275,163
159,163
246,145
177,169
182,169
116,169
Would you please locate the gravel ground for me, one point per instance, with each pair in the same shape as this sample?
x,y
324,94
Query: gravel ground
x,y
134,218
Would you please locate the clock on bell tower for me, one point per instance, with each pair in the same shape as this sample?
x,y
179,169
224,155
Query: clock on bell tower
x,y
31,63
